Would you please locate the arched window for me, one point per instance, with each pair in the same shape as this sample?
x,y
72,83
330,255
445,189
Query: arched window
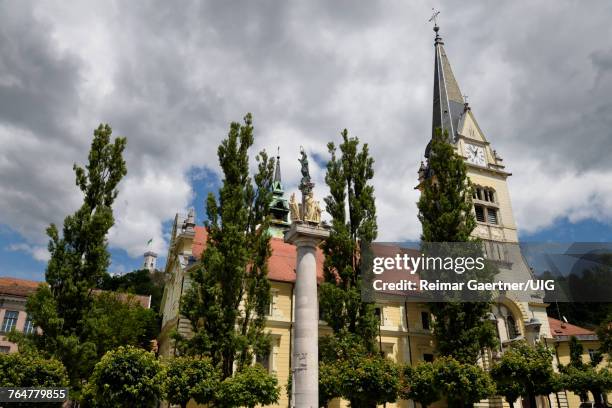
x,y
511,327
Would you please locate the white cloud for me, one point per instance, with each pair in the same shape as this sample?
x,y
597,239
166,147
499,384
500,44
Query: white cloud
x,y
540,198
39,253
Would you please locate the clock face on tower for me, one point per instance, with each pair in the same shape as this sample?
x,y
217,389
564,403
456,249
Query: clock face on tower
x,y
475,154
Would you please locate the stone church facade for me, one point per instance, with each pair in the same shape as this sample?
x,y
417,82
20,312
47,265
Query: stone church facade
x,y
405,326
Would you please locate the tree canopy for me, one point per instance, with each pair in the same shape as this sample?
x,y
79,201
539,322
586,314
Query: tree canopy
x,y
190,378
525,370
125,377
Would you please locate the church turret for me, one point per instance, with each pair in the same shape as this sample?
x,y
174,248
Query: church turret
x,y
279,207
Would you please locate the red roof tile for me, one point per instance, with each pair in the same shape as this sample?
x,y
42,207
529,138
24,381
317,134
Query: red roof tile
x,y
559,328
281,265
17,287
24,287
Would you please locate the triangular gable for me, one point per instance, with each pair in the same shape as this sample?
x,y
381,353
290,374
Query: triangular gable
x,y
470,129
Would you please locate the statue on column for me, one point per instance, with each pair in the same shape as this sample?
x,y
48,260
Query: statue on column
x,y
306,185
309,210
294,208
312,212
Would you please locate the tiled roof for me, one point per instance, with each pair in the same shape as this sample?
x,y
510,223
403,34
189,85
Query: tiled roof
x,y
562,329
23,288
281,265
17,287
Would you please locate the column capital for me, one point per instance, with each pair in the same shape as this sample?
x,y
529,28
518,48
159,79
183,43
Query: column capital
x,y
306,234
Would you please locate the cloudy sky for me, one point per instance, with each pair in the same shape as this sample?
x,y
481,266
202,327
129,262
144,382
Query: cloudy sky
x,y
170,76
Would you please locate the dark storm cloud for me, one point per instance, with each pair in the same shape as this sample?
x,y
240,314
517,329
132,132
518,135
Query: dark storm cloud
x,y
38,96
171,75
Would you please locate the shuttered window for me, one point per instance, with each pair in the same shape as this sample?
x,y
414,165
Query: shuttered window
x,y
480,216
492,216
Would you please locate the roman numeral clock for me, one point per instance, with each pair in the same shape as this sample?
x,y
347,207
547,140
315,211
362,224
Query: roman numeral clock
x,y
475,154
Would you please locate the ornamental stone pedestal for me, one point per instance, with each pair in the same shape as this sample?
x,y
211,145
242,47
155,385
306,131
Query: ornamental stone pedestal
x,y
305,355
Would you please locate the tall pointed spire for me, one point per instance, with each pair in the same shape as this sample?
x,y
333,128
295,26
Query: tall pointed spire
x,y
277,172
448,103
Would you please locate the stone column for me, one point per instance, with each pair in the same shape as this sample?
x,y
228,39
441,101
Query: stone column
x,y
305,355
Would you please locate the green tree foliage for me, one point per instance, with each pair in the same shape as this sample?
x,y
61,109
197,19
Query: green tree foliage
x,y
418,384
116,320
582,378
462,384
368,381
445,205
125,377
140,282
79,260
351,350
230,293
604,333
330,383
587,379
353,211
460,329
524,370
190,378
249,387
363,378
31,370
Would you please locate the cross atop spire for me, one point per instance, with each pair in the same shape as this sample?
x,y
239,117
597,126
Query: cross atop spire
x,y
434,17
436,28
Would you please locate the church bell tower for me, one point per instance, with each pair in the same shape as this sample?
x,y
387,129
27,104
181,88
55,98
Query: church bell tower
x,y
453,115
519,315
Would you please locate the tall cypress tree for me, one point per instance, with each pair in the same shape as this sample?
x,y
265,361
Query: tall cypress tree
x,y
353,211
460,329
230,292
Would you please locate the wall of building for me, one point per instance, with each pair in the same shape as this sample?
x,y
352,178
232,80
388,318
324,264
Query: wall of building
x,y
9,303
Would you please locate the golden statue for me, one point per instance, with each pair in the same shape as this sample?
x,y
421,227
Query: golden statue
x,y
317,213
294,208
312,210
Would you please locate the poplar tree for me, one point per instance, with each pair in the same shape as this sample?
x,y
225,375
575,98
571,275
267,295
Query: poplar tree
x,y
230,292
79,260
353,211
460,329
365,377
